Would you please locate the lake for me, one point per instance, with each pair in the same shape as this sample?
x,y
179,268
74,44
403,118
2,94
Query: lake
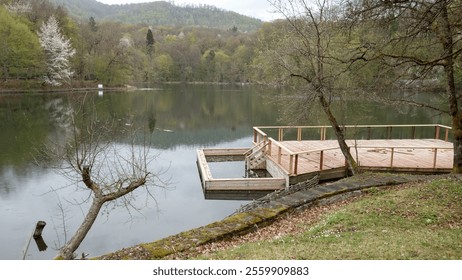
x,y
181,119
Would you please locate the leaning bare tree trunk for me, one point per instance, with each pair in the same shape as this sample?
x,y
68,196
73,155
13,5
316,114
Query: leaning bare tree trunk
x,y
67,251
340,134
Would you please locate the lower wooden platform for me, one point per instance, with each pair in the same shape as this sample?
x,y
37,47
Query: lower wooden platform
x,y
232,188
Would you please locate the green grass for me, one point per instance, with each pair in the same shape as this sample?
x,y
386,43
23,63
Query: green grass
x,y
423,221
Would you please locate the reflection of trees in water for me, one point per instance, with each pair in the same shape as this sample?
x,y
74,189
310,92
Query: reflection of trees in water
x,y
360,109
192,116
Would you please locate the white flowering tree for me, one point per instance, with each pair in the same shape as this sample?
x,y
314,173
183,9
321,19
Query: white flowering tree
x,y
58,51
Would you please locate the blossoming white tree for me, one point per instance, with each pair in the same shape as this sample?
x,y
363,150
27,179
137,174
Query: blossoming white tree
x,y
58,51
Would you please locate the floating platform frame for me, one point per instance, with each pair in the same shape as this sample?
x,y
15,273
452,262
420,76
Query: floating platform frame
x,y
232,188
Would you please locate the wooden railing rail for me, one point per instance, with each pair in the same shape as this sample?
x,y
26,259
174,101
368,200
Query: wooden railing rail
x,y
259,134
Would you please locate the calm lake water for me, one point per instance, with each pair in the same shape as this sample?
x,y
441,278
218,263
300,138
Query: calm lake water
x,y
181,119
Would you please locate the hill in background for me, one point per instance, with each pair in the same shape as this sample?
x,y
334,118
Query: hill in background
x,y
161,13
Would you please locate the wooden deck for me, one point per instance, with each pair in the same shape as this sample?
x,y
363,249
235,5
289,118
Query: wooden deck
x,y
418,155
297,155
290,161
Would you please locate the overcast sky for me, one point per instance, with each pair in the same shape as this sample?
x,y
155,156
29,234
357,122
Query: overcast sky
x,y
255,8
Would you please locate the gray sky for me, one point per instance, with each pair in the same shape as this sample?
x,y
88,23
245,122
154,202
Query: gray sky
x,y
256,8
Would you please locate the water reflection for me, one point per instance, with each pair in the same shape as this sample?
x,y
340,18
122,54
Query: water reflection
x,y
179,122
179,119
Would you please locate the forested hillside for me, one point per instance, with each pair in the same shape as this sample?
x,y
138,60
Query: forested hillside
x,y
160,13
118,53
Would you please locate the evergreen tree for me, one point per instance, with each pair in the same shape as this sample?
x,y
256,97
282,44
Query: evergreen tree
x,y
150,42
92,24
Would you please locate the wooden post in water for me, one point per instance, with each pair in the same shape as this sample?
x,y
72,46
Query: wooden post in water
x,y
38,229
37,235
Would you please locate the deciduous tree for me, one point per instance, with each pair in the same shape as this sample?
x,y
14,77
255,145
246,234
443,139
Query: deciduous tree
x,y
421,38
110,172
306,53
58,51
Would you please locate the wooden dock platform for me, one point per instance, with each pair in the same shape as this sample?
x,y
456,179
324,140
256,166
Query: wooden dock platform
x,y
324,158
297,156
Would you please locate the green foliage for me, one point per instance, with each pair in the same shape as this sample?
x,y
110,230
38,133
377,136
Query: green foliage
x,y
169,45
20,52
162,13
150,42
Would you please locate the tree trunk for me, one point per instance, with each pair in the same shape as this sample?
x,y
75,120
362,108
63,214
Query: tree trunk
x,y
67,252
339,133
457,133
456,115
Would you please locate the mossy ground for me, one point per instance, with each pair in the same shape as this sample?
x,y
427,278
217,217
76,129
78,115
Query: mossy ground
x,y
418,221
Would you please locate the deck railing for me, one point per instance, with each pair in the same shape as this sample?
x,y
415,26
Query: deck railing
x,y
358,131
261,137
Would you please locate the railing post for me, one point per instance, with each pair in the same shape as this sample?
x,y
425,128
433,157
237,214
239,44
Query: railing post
x,y
269,147
434,157
413,132
279,154
389,129
291,163
255,136
265,142
446,135
321,161
296,165
392,155
437,132
368,133
299,134
280,134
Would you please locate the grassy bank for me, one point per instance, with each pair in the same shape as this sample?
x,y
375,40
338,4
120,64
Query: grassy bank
x,y
413,221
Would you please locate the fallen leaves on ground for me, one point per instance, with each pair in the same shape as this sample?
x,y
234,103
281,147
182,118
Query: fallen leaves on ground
x,y
289,224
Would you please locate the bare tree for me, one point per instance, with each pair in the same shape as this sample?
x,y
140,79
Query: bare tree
x,y
305,53
417,37
108,171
